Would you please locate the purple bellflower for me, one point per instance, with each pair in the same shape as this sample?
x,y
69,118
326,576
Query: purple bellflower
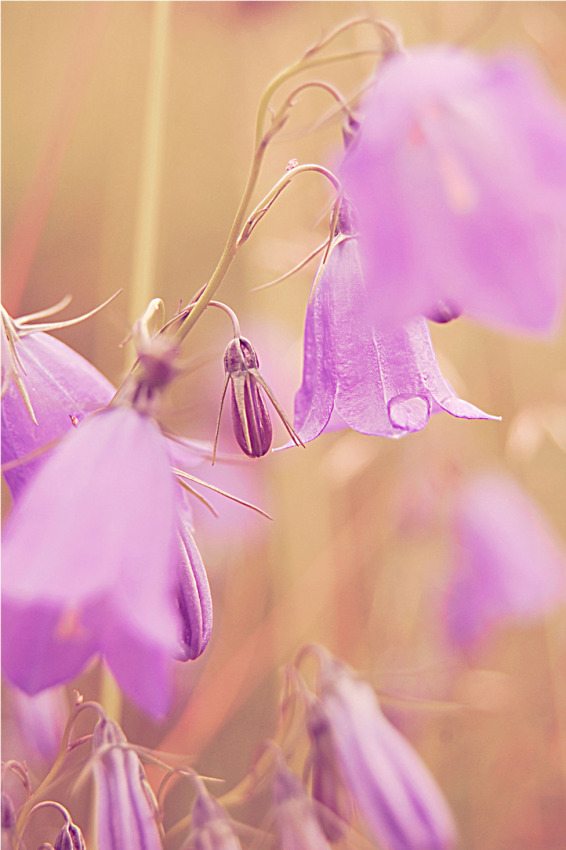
x,y
459,179
98,552
394,792
386,384
126,807
509,563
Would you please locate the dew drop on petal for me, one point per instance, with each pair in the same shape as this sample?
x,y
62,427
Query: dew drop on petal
x,y
408,412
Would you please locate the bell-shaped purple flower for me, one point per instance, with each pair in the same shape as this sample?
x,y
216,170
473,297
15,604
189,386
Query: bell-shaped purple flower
x,y
386,384
62,387
90,560
459,179
127,814
509,564
394,792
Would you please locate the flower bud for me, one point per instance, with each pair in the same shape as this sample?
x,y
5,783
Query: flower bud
x,y
299,828
126,806
211,826
193,598
328,785
70,838
250,417
8,817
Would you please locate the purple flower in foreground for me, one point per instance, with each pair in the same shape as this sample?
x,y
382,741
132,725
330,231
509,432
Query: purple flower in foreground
x,y
90,561
459,179
386,384
509,563
62,387
126,806
394,792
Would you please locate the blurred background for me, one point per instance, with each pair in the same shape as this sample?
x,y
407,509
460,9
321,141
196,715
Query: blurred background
x,y
358,555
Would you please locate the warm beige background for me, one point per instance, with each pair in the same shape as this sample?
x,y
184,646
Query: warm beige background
x,y
350,560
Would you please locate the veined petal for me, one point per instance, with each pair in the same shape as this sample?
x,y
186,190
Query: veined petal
x,y
315,398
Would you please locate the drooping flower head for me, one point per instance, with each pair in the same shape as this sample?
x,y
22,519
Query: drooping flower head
x,y
459,179
97,554
388,783
387,383
508,562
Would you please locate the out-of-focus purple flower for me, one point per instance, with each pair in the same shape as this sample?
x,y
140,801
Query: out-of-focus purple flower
x,y
386,384
509,564
62,387
40,720
126,806
459,179
328,787
193,597
298,826
212,829
90,560
396,795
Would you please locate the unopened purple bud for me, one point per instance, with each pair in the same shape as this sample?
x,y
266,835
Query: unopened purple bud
x,y
250,417
395,793
8,817
328,785
299,828
193,598
70,838
212,829
126,806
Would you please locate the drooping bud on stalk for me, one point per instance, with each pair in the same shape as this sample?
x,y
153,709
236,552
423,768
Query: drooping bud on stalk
x,y
126,806
328,784
299,828
212,829
70,838
8,817
250,417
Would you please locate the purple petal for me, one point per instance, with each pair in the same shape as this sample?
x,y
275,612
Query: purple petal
x,y
396,794
62,386
509,562
315,398
460,184
90,545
